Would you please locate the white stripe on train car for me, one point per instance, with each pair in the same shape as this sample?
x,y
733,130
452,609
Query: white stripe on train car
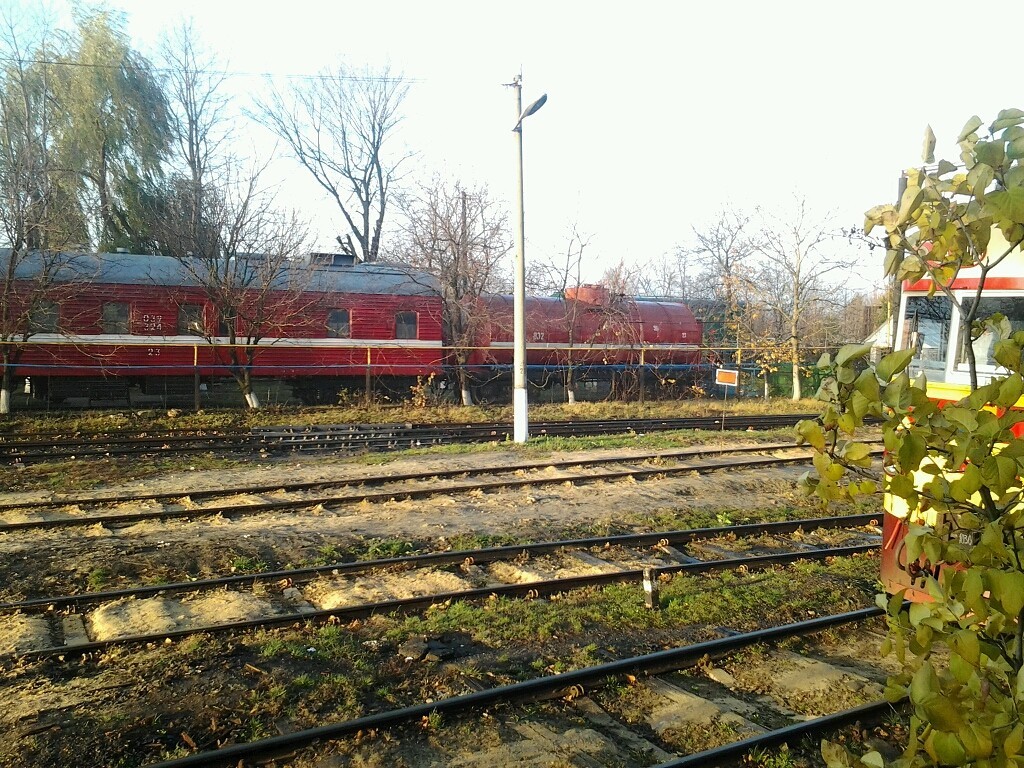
x,y
132,340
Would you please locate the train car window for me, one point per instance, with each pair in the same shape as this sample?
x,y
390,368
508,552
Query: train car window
x,y
114,317
926,327
190,320
406,325
1011,307
225,325
43,317
338,324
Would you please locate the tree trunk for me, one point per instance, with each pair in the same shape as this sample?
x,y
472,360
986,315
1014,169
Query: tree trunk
x,y
252,401
794,349
467,396
5,385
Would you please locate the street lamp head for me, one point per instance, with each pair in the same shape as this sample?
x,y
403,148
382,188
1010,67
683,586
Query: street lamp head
x,y
530,109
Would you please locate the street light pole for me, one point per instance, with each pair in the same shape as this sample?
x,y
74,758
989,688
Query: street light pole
x,y
520,419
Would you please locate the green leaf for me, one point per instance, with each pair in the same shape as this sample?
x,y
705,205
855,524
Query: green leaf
x,y
1009,591
850,352
965,643
943,714
912,451
893,363
1006,118
1013,743
925,682
928,149
909,203
1015,148
1006,204
990,153
1007,354
809,431
867,385
999,473
856,452
979,178
1010,390
919,612
969,127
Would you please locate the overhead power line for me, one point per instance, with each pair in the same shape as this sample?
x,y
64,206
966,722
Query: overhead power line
x,y
216,72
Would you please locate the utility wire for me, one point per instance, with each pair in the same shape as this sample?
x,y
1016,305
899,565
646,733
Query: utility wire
x,y
219,73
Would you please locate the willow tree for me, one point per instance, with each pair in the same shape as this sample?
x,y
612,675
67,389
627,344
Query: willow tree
x,y
38,218
111,126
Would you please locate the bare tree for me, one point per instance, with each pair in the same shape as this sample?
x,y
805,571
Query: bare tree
x,y
461,237
564,278
196,106
224,228
337,126
723,250
792,275
37,218
246,256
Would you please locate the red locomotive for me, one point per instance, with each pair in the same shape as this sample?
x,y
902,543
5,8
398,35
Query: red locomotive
x,y
147,324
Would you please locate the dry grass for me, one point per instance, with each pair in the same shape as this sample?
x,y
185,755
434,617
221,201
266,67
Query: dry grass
x,y
404,413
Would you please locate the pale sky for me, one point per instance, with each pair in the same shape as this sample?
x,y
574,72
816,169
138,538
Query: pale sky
x,y
658,113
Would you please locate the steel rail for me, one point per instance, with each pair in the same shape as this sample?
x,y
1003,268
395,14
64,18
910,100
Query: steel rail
x,y
383,436
531,589
398,477
488,555
730,752
530,690
397,494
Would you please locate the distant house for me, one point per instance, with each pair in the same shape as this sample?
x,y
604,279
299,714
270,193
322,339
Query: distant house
x,y
881,340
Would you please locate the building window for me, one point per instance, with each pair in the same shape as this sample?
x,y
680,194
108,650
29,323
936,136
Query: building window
x,y
43,317
406,325
339,324
114,318
190,320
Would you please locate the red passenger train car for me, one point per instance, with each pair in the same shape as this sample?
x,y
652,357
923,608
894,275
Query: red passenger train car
x,y
148,321
592,327
146,324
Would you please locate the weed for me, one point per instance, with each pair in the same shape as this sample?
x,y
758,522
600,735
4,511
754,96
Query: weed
x,y
246,564
763,758
99,577
381,549
303,681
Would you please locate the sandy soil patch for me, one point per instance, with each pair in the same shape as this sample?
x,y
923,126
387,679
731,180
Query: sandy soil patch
x,y
335,593
124,618
20,633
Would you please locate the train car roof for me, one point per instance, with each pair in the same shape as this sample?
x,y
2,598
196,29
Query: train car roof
x,y
145,269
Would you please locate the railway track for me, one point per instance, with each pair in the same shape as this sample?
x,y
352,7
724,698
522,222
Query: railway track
x,y
74,625
67,512
673,684
679,702
28,448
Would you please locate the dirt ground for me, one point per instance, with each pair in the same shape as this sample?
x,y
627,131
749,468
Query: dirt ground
x,y
97,557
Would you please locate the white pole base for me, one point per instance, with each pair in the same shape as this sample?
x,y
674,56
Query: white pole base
x,y
520,421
